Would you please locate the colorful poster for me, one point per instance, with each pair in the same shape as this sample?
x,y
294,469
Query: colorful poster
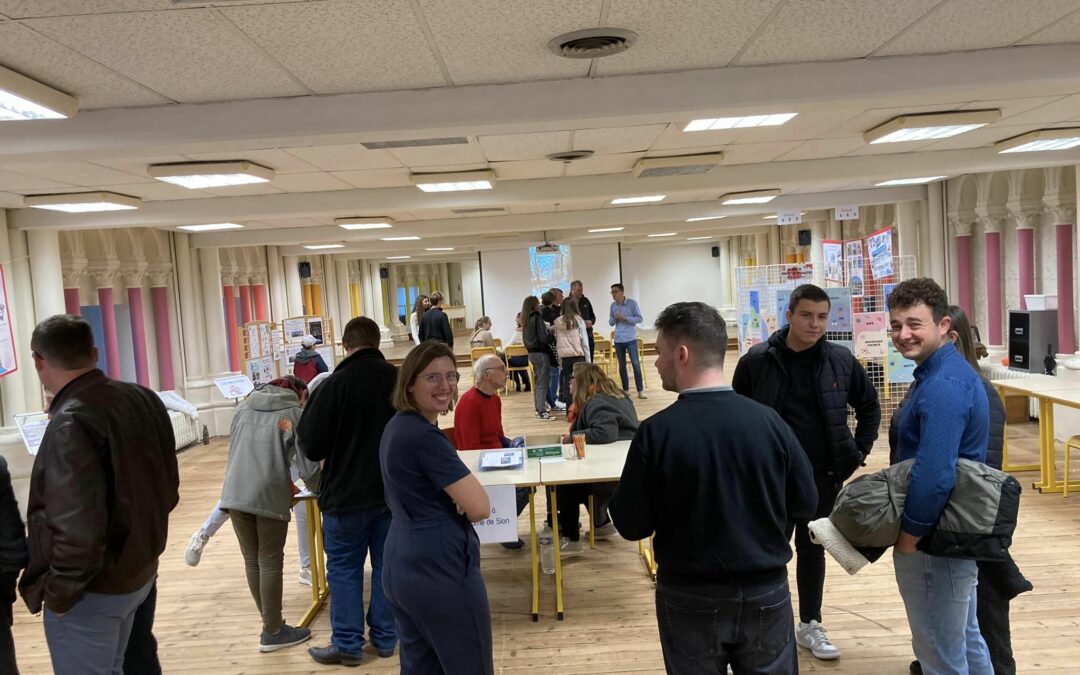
x,y
276,341
832,251
757,324
261,370
8,361
885,290
853,262
800,273
846,344
315,330
265,346
879,246
254,348
294,329
840,309
870,332
898,369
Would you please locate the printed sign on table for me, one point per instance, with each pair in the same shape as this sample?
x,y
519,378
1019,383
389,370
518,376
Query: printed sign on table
x,y
871,336
832,251
879,245
234,386
501,525
853,261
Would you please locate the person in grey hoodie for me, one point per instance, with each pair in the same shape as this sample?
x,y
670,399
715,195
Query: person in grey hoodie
x,y
257,495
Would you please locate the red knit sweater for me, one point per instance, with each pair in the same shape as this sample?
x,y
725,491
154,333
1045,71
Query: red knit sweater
x,y
478,421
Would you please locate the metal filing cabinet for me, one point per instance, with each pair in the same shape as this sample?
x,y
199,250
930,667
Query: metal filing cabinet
x,y
1030,332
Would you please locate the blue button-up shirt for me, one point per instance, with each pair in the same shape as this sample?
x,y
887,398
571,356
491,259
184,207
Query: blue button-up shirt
x,y
626,329
947,417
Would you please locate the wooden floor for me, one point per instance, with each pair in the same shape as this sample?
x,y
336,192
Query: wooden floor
x,y
207,622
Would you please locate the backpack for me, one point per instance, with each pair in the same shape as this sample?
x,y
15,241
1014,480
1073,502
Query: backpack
x,y
305,370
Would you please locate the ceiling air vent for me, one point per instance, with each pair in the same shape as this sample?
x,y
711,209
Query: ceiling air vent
x,y
592,43
479,211
571,156
684,165
415,143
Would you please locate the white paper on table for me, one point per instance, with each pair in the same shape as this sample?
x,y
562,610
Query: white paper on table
x,y
501,525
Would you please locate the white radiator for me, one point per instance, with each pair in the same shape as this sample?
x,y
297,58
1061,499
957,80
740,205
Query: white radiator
x,y
996,372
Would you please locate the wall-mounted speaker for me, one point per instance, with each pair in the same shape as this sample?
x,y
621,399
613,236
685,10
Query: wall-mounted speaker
x,y
305,270
804,237
384,272
716,251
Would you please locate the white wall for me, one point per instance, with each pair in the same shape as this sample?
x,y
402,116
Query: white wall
x,y
657,276
597,266
470,290
507,282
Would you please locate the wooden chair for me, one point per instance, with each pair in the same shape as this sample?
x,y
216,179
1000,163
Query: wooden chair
x,y
1073,443
514,351
499,344
602,353
477,352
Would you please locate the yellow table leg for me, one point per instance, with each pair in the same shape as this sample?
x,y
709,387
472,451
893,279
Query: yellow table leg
x,y
556,540
535,558
1005,466
320,589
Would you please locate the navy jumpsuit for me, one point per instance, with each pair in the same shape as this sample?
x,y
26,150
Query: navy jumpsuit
x,y
431,562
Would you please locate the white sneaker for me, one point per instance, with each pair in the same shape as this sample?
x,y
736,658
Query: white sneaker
x,y
305,576
812,636
569,549
193,554
604,531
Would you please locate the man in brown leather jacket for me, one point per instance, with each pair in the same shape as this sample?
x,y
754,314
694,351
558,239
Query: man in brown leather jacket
x,y
103,484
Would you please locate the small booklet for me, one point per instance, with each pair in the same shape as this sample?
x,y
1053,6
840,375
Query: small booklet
x,y
502,459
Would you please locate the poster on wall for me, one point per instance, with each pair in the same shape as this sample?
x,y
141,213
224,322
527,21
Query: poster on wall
x,y
265,347
276,340
832,252
261,370
870,336
898,368
879,247
8,363
294,329
839,309
315,330
886,289
254,347
800,273
853,261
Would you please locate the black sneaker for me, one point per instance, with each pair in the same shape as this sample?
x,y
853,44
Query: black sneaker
x,y
915,668
286,637
330,656
544,416
384,653
513,545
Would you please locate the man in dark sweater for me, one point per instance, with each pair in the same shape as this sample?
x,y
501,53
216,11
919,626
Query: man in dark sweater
x,y
577,291
341,427
811,383
434,324
720,479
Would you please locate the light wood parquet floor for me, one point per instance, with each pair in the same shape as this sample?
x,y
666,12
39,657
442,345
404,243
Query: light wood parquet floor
x,y
207,622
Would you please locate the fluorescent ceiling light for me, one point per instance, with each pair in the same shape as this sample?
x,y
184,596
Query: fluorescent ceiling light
x,y
200,175
701,218
930,126
607,229
24,99
83,202
750,197
682,165
364,223
745,122
454,182
664,234
697,238
440,248
408,238
398,257
647,199
322,247
774,216
1042,140
210,227
910,181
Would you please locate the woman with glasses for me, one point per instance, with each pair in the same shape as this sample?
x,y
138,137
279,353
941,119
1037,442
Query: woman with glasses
x,y
431,565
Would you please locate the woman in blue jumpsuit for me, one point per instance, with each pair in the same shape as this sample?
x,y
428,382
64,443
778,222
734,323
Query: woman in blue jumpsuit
x,y
431,562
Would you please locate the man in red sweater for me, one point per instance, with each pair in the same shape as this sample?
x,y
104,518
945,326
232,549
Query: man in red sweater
x,y
478,419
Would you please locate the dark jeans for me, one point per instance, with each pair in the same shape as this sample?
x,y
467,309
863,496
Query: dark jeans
x,y
262,543
572,496
7,643
566,371
553,393
621,350
999,583
704,629
140,657
810,557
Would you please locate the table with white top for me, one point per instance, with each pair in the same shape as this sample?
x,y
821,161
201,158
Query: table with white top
x,y
1048,391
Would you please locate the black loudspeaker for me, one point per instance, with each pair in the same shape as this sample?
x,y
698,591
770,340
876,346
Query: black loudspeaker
x,y
305,270
384,272
716,251
804,237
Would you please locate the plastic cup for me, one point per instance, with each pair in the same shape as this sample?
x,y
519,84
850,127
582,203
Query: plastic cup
x,y
579,444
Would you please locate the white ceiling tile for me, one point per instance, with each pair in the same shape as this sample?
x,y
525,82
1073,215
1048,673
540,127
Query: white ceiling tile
x,y
487,41
78,173
439,155
823,148
869,119
158,191
1063,109
1013,106
351,157
811,30
344,45
376,178
309,182
601,164
243,190
889,148
674,138
1066,29
189,56
273,158
752,153
977,24
521,209
138,165
22,9
509,147
278,223
984,137
613,140
682,34
95,86
537,168
18,181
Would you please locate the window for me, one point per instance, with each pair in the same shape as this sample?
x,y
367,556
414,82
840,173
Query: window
x,y
550,270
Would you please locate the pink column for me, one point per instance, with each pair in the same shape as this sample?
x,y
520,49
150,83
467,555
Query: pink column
x,y
230,326
1066,334
1025,243
108,322
138,336
963,271
994,297
163,332
71,301
245,303
260,302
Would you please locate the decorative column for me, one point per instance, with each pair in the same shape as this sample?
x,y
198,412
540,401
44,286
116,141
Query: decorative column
x,y
104,275
232,335
344,295
258,290
935,252
294,293
46,273
995,297
961,226
1026,220
1064,219
133,278
73,274
213,312
378,296
244,288
275,276
159,297
907,228
444,282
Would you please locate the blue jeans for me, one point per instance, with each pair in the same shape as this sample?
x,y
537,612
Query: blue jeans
x,y
621,348
346,537
939,596
93,635
553,386
703,629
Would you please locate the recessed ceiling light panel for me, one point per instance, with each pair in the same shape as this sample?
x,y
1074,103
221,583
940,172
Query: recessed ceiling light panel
x,y
322,247
607,229
1043,140
24,99
83,202
454,182
697,238
911,181
440,248
700,218
744,122
202,175
210,227
407,238
398,257
930,126
356,223
646,199
663,234
750,197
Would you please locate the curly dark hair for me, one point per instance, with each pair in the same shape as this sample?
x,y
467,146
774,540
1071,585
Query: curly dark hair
x,y
921,290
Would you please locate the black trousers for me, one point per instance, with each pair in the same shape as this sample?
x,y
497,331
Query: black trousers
x,y
566,371
810,557
571,497
999,583
141,657
7,642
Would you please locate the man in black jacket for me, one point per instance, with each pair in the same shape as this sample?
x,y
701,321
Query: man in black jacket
x,y
341,427
719,478
12,561
811,382
103,484
577,291
434,325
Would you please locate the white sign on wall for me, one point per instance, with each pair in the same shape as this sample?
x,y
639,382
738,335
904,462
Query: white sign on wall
x,y
846,213
789,217
501,525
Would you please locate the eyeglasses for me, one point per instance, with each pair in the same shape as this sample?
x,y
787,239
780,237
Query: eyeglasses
x,y
436,378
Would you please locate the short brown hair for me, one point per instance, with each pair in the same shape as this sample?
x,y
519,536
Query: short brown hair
x,y
361,332
436,298
64,340
419,357
921,289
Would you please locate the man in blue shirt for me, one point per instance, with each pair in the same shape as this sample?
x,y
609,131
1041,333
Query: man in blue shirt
x,y
947,417
625,315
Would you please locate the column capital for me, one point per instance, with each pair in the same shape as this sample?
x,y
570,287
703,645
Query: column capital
x,y
961,224
1063,215
159,274
73,273
993,222
133,275
1027,216
103,274
257,277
